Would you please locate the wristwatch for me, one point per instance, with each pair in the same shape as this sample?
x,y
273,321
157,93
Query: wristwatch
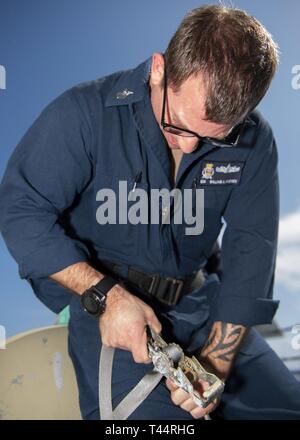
x,y
93,300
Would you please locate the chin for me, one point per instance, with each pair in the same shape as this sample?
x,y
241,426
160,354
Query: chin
x,y
171,145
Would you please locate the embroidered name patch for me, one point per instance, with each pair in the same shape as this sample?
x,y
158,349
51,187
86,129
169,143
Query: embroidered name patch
x,y
221,173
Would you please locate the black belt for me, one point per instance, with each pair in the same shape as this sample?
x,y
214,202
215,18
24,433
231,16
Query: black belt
x,y
167,290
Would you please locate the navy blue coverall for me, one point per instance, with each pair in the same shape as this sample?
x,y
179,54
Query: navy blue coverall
x,y
103,131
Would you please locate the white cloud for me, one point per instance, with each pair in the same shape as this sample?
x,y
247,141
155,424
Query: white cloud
x,y
288,257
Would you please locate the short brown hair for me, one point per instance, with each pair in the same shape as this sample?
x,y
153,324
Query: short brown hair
x,y
232,50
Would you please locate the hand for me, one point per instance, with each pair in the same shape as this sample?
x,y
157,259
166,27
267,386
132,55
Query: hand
x,y
123,324
185,400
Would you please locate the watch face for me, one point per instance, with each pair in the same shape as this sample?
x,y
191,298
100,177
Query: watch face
x,y
92,303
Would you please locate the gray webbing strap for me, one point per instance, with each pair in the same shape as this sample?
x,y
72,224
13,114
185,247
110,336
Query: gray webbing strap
x,y
133,399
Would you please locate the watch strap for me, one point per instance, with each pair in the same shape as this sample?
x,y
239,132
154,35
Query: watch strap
x,y
104,285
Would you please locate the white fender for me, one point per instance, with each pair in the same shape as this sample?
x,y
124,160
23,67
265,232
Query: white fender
x,y
37,379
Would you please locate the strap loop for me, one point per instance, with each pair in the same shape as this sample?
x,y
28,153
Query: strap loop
x,y
133,399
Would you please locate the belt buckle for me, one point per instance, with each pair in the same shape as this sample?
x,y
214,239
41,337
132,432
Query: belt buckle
x,y
176,296
155,283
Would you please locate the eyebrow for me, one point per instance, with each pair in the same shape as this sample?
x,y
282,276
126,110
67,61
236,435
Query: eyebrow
x,y
181,125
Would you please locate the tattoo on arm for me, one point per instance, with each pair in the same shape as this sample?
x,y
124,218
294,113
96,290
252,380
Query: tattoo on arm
x,y
223,341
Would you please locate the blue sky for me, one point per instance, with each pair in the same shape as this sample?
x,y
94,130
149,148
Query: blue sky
x,y
46,47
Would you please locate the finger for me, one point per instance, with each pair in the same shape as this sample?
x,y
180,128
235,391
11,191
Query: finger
x,y
122,347
171,385
201,386
145,353
179,396
153,322
199,412
139,349
188,405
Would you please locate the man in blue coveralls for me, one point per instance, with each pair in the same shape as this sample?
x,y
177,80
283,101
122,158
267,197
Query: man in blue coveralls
x,y
184,119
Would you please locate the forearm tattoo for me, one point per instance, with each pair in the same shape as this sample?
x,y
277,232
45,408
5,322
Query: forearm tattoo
x,y
223,341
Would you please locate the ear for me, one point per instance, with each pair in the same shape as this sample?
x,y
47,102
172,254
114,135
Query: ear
x,y
157,68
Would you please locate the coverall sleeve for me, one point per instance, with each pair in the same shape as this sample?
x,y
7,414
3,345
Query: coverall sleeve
x,y
249,243
50,166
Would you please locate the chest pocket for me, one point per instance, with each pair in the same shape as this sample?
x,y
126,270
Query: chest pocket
x,y
215,198
118,216
197,247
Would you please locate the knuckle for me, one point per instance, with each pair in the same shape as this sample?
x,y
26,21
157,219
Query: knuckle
x,y
106,343
104,339
196,413
173,398
137,358
149,313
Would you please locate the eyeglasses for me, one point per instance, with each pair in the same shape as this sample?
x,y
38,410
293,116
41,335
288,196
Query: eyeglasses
x,y
231,139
